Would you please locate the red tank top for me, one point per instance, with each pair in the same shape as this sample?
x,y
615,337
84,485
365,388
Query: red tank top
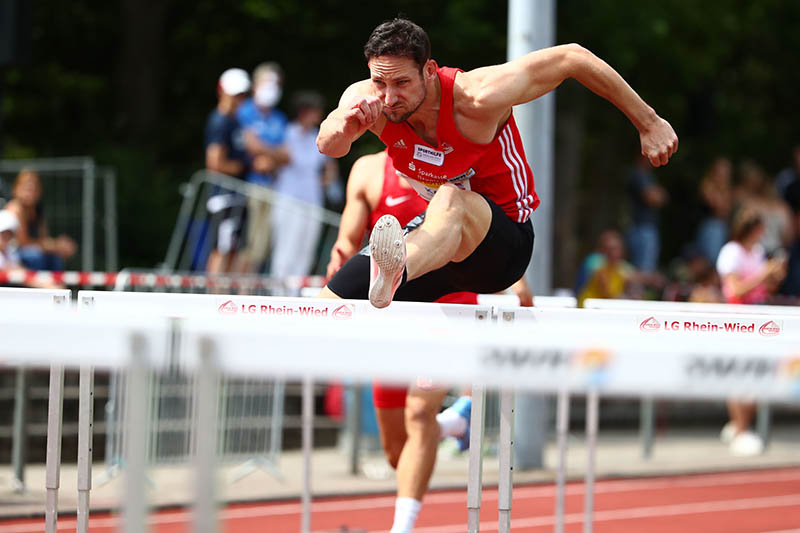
x,y
498,170
402,202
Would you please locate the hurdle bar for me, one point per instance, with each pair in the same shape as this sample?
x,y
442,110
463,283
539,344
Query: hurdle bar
x,y
647,410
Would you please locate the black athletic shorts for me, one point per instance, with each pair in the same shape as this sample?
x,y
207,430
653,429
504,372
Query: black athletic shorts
x,y
498,262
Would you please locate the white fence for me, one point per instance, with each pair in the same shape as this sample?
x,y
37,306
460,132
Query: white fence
x,y
544,356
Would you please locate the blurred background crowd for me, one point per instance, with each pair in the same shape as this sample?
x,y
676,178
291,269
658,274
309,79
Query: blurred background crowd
x,y
158,90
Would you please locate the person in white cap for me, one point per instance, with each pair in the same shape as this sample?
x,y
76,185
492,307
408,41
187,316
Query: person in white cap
x,y
225,153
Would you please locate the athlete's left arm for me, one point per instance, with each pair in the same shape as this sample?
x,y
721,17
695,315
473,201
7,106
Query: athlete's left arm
x,y
491,91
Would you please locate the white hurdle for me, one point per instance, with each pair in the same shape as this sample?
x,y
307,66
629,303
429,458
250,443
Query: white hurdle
x,y
647,412
32,300
756,328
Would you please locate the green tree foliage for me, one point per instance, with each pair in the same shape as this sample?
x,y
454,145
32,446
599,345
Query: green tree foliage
x,y
131,82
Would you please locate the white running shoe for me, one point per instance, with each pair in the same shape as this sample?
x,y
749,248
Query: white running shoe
x,y
728,433
746,444
387,259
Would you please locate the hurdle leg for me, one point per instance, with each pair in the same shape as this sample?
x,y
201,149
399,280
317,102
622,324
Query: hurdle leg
x,y
53,461
505,478
136,434
207,382
763,423
19,442
308,446
474,480
85,435
647,426
562,432
592,401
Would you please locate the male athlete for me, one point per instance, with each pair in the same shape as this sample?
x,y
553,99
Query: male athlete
x,y
453,135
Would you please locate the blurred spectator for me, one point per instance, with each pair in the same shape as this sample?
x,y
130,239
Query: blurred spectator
x,y
9,256
706,287
717,200
224,147
754,191
607,272
746,273
264,134
295,230
647,197
37,250
747,277
789,176
688,271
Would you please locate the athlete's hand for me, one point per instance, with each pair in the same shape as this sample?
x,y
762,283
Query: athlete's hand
x,y
338,258
364,111
659,142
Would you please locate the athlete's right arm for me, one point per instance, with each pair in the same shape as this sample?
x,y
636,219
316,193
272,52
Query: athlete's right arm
x,y
359,110
354,217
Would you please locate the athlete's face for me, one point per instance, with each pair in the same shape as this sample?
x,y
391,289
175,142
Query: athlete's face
x,y
400,85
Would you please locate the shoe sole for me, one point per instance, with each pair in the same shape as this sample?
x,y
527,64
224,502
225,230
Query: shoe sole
x,y
387,248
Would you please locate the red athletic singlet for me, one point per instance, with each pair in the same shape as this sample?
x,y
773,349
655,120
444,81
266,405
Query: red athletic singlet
x,y
498,170
402,202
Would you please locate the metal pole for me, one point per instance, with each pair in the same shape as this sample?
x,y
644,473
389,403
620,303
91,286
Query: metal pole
x,y
592,401
505,477
88,216
110,204
647,426
354,421
55,404
763,423
531,26
205,515
308,446
136,407
475,476
19,443
85,436
562,431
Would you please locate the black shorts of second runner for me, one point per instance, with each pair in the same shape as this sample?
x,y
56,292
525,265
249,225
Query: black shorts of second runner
x,y
227,228
498,262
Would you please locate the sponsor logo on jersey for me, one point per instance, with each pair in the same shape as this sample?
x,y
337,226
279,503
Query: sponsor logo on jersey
x,y
649,325
392,201
400,144
428,155
412,167
770,329
228,308
446,148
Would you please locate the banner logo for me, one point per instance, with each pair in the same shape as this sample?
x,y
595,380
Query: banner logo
x,y
228,308
650,325
770,329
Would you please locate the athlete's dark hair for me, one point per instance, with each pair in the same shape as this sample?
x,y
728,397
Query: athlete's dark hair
x,y
399,38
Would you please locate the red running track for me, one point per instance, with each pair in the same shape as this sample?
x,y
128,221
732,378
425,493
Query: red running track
x,y
764,501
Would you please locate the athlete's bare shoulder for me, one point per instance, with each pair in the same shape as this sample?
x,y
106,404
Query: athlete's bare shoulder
x,y
470,112
359,88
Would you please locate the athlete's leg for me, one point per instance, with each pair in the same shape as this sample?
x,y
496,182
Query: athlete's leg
x,y
419,453
327,293
392,430
455,224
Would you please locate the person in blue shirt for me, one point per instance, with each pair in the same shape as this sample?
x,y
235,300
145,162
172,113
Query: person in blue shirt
x,y
225,153
264,129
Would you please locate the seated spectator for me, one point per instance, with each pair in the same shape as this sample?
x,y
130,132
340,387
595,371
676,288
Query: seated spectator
x,y
607,272
37,249
706,287
224,151
747,277
9,257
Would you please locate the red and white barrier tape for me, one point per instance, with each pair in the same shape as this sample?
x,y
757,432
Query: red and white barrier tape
x,y
159,280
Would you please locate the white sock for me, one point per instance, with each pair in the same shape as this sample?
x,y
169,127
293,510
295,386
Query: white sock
x,y
451,423
405,514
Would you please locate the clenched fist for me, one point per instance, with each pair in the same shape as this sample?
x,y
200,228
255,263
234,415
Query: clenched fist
x,y
659,142
364,111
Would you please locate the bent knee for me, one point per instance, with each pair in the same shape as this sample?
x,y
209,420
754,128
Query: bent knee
x,y
392,454
420,416
448,198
